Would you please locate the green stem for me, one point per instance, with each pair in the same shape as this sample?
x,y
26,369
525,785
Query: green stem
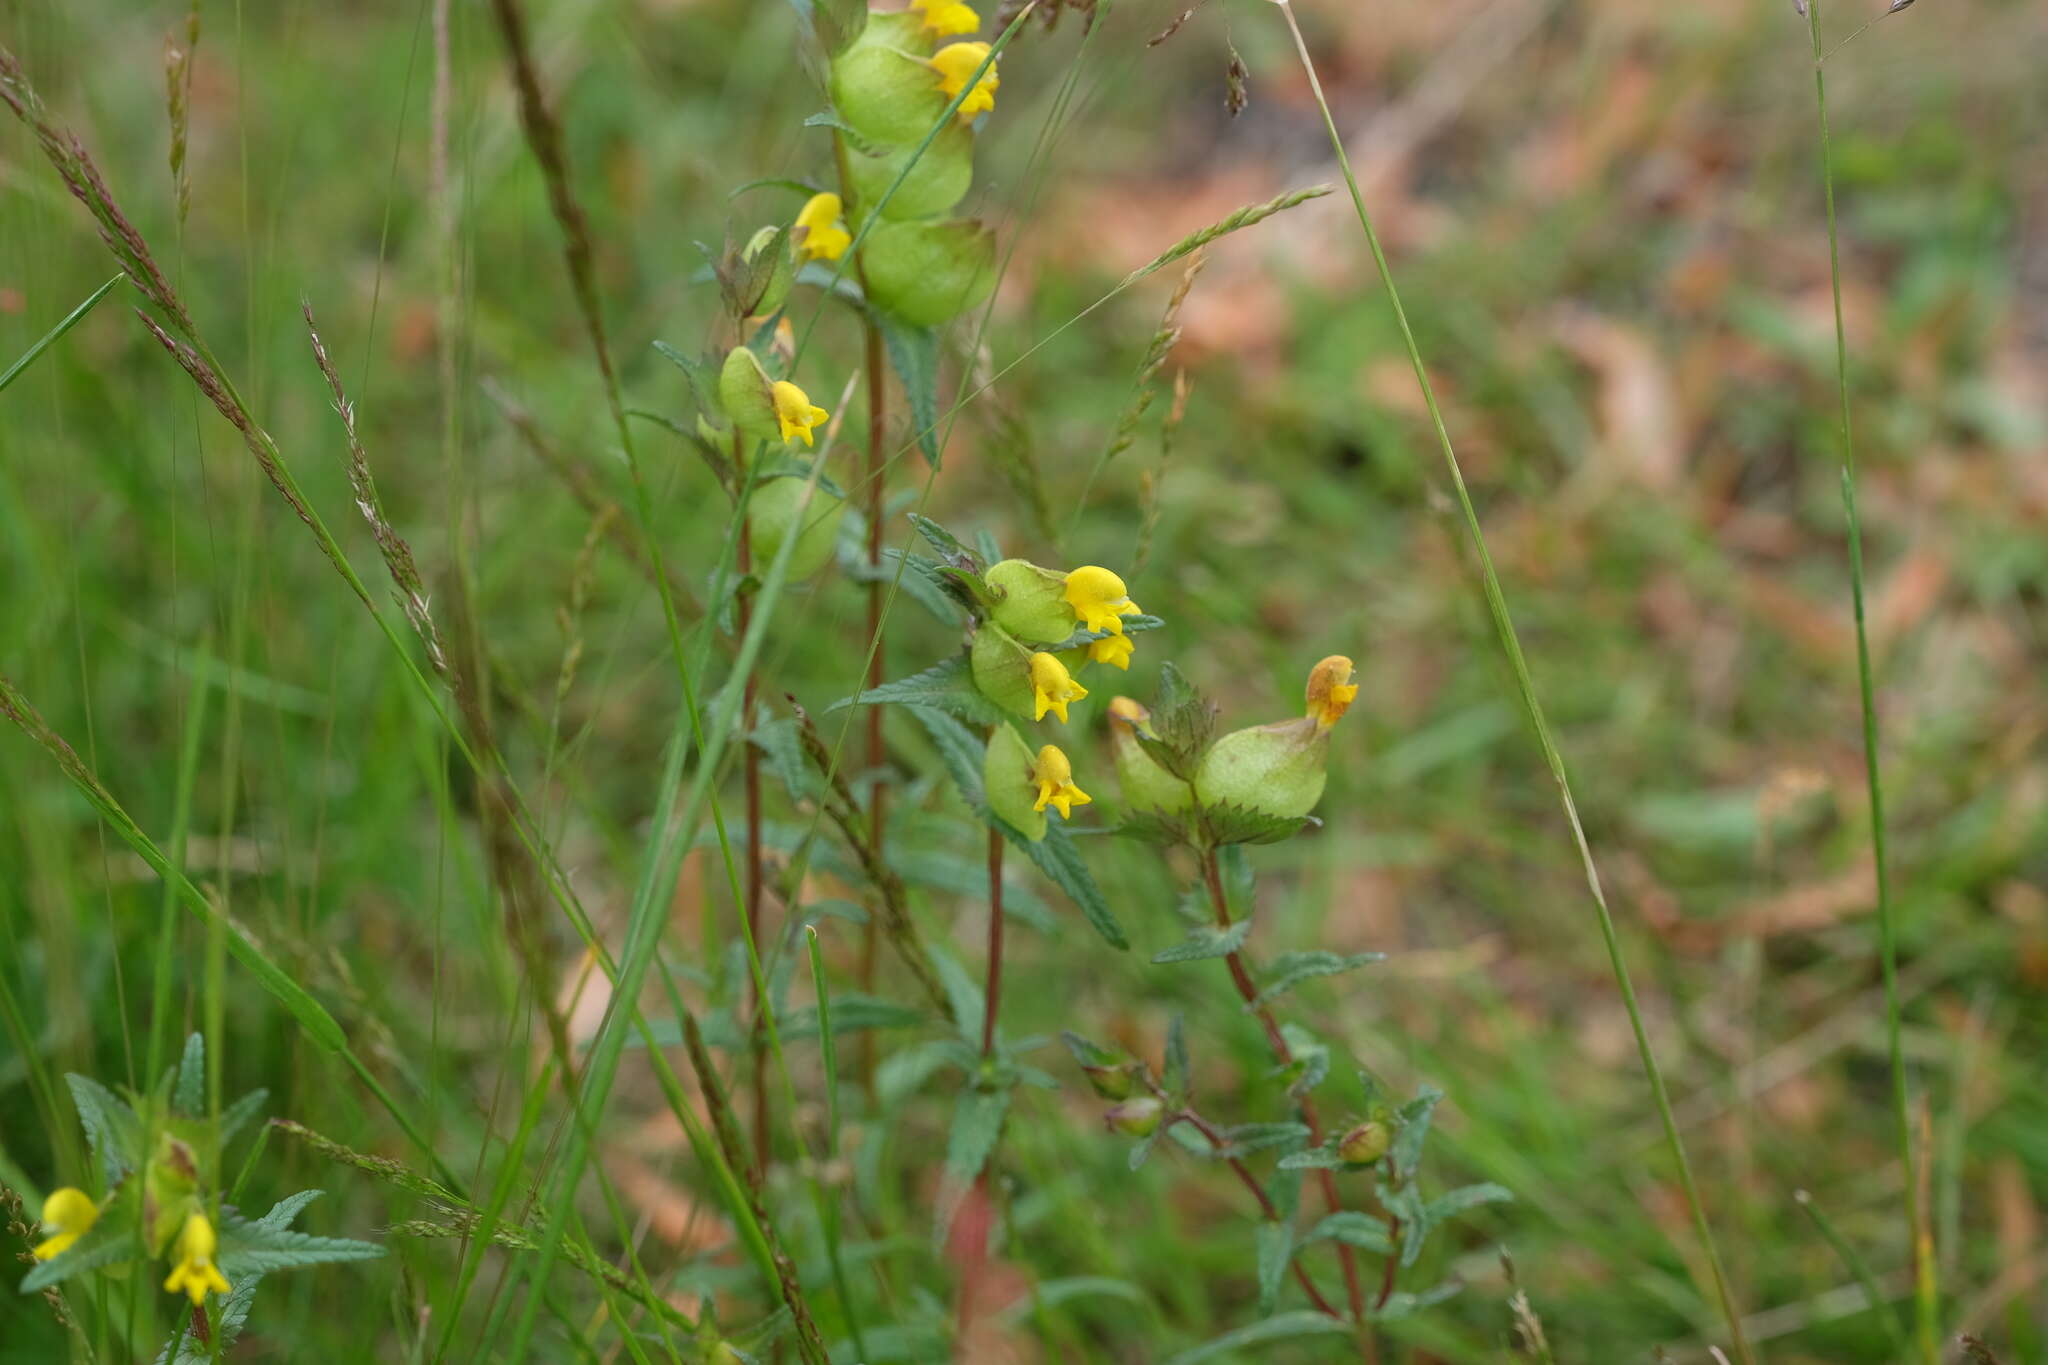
x,y
1511,646
1926,1292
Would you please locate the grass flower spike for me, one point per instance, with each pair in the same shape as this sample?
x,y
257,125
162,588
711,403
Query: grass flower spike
x,y
195,1272
1052,687
1055,778
68,1214
947,18
1099,599
1330,690
825,238
956,63
795,413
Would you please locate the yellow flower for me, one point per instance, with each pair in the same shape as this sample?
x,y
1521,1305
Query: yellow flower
x,y
1113,649
824,239
1330,690
955,62
1055,779
794,411
945,18
1099,599
195,1272
68,1215
1052,687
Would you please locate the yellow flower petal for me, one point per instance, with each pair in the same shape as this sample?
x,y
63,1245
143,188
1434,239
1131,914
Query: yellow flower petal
x,y
946,18
195,1273
1052,687
824,237
1099,598
795,413
1115,650
1330,691
68,1214
1054,776
955,64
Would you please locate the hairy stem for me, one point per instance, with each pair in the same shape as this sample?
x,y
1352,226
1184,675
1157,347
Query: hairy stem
x,y
1926,1291
1525,687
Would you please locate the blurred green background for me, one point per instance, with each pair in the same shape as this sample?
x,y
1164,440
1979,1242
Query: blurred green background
x,y
1607,222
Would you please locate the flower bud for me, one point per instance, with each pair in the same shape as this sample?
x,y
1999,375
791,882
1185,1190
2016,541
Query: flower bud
x,y
933,184
1146,786
1006,780
778,508
1365,1143
781,272
748,396
929,272
1110,1082
1030,602
1135,1117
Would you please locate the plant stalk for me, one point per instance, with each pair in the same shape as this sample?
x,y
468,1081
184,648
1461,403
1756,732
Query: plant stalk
x,y
1511,646
1926,1290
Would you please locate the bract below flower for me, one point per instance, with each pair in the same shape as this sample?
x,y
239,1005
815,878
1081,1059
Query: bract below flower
x,y
68,1214
1052,687
956,64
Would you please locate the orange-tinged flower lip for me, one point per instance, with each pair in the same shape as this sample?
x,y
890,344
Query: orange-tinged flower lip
x,y
1330,690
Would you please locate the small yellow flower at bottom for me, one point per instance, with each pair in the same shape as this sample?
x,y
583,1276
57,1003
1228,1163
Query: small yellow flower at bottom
x,y
1113,649
1099,598
1330,691
946,18
795,413
68,1214
1055,779
1052,687
955,63
825,238
195,1272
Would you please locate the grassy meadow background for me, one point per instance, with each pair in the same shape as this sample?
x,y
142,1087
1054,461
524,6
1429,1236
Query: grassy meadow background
x,y
1607,222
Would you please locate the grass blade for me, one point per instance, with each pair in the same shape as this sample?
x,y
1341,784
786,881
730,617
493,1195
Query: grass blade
x,y
49,338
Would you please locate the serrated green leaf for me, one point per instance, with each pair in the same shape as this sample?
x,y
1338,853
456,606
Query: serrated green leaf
x,y
268,1244
1284,1189
961,991
977,1125
1289,970
952,552
1086,1052
112,1129
1275,1243
1414,1119
1323,1158
948,686
1153,827
189,1096
851,1013
103,1244
1283,1327
1356,1229
236,1116
1404,1304
914,355
1311,1060
286,1210
1454,1202
1246,1138
780,741
1057,857
1174,1075
1203,942
1232,824
958,748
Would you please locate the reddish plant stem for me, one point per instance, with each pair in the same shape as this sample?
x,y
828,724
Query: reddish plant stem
x,y
1354,1289
752,908
1210,1131
993,998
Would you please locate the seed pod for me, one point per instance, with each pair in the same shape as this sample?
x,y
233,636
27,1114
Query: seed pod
x,y
1146,785
1136,1117
932,184
748,396
1029,603
1006,779
1110,1082
1277,769
1366,1143
779,507
928,273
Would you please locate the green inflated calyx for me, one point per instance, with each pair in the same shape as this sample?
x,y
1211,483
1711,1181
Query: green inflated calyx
x,y
1029,601
927,273
881,87
1006,775
1001,668
780,507
780,268
932,183
1280,769
1145,784
748,396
